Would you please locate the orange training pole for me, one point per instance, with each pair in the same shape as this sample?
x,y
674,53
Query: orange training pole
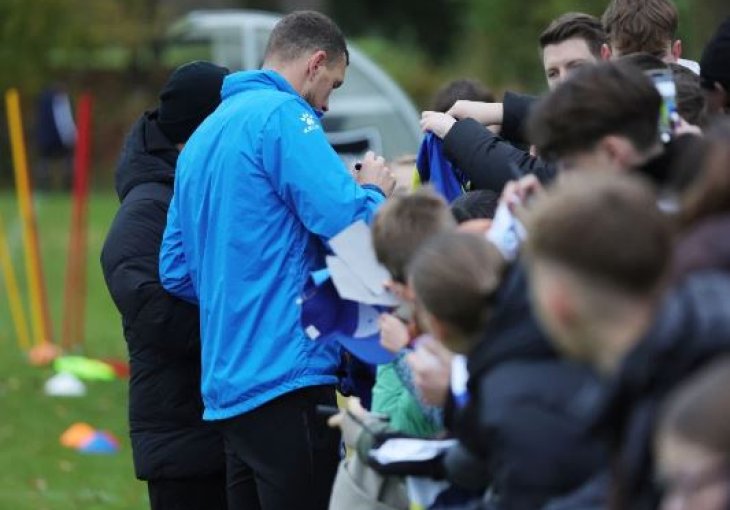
x,y
40,318
17,313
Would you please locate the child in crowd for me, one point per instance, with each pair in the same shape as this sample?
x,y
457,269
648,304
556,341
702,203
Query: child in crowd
x,y
400,228
513,411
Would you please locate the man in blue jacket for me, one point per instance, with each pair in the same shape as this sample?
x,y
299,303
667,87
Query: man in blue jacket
x,y
258,192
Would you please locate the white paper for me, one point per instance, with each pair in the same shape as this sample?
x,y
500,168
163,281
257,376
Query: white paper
x,y
354,246
506,233
410,450
350,287
459,374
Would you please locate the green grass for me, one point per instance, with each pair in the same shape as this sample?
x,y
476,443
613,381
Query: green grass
x,y
36,472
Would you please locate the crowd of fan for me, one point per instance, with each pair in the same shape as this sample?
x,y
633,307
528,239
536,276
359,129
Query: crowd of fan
x,y
563,275
595,352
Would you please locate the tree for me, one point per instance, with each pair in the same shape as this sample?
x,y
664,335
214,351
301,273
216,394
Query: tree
x,y
433,25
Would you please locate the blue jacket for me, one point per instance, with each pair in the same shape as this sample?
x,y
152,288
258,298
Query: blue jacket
x,y
258,190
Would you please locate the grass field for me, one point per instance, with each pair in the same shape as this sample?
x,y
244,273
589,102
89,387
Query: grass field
x,y
36,472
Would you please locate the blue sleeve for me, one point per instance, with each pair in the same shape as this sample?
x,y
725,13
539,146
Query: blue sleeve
x,y
174,272
310,177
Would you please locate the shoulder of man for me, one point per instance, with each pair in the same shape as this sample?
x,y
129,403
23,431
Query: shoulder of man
x,y
295,116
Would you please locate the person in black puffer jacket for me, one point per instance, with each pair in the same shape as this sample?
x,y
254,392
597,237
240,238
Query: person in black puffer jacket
x,y
524,426
605,301
179,455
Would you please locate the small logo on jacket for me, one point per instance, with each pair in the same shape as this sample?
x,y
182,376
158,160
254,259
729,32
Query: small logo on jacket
x,y
310,122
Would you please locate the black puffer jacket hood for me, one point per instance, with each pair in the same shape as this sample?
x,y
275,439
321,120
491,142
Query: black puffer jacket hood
x,y
147,156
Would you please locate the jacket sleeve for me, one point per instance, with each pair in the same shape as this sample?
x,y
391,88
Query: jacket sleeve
x,y
516,110
387,392
486,158
310,177
433,414
593,495
152,318
174,271
466,469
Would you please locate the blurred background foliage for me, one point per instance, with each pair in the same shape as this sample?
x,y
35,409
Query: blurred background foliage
x,y
115,47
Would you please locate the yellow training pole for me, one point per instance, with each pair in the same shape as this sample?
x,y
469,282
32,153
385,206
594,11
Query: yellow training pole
x,y
11,286
38,308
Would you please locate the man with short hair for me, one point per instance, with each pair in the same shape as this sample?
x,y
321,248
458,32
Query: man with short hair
x,y
599,251
597,288
568,43
259,192
605,118
646,26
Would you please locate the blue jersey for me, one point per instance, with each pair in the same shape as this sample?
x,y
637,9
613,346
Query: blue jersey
x,y
258,190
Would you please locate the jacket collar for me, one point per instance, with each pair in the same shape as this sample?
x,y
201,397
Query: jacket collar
x,y
512,333
244,81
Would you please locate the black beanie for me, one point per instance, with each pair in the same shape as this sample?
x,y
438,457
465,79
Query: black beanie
x,y
715,63
191,93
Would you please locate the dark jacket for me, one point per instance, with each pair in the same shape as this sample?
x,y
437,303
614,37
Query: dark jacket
x,y
705,245
169,438
516,111
487,158
522,425
691,328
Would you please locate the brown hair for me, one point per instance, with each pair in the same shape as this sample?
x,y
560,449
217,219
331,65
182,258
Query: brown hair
x,y
469,90
709,194
575,25
597,101
604,227
697,411
454,276
635,26
691,99
303,31
404,223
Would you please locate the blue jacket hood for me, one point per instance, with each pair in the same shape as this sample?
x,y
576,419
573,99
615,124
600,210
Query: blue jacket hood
x,y
244,81
263,79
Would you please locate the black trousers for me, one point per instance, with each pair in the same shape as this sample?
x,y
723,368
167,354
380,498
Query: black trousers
x,y
188,494
282,455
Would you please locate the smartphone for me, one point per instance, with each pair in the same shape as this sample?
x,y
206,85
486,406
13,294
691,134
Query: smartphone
x,y
669,116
